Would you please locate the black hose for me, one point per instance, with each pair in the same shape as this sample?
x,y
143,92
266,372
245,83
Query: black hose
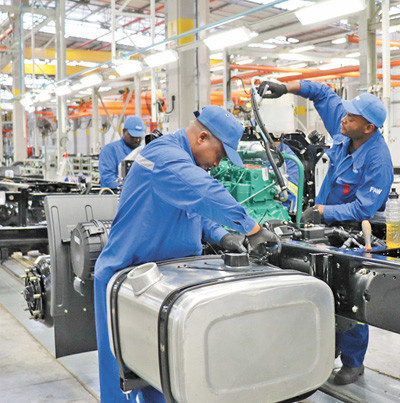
x,y
265,135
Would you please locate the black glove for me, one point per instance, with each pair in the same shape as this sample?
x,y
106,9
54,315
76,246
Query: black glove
x,y
312,216
232,243
257,241
271,89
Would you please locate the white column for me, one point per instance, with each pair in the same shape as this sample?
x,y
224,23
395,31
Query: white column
x,y
386,69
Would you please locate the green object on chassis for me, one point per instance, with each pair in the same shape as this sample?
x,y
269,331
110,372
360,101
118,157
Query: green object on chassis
x,y
254,187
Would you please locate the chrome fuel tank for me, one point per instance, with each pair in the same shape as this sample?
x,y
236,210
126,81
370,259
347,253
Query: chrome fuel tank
x,y
220,334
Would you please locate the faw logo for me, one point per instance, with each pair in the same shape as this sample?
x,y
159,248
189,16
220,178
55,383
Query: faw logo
x,y
375,190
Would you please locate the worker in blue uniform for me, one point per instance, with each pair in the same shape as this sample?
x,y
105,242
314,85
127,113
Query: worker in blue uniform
x,y
169,203
113,153
357,184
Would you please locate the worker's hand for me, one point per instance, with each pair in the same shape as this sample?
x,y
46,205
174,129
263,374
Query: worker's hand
x,y
271,89
312,215
232,243
258,241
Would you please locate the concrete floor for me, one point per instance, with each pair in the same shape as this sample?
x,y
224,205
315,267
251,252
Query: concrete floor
x,y
29,371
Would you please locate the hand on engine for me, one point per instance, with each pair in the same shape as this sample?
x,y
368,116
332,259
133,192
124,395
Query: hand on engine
x,y
258,241
233,243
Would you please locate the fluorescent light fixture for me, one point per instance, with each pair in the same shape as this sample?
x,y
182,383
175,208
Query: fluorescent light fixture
x,y
43,97
161,58
105,88
26,101
262,45
355,54
339,41
293,40
229,38
302,49
216,68
63,90
327,10
245,61
128,67
92,80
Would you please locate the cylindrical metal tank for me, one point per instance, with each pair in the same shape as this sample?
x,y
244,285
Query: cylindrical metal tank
x,y
201,331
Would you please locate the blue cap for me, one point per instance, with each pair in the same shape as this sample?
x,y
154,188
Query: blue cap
x,y
225,127
135,126
369,107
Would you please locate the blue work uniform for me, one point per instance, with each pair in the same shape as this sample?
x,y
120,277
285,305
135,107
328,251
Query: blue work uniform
x,y
168,205
109,159
292,172
356,186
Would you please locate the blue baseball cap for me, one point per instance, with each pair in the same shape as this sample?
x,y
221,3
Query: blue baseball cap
x,y
369,107
135,126
225,127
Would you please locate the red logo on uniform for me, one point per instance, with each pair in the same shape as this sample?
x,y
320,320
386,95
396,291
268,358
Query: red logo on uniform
x,y
346,189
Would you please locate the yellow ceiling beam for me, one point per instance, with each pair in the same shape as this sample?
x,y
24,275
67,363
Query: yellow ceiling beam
x,y
96,56
47,69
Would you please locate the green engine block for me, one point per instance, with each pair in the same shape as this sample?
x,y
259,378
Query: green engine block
x,y
254,187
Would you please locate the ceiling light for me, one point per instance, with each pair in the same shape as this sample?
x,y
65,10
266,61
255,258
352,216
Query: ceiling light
x,y
293,40
128,67
339,41
328,10
161,58
302,49
262,45
92,80
43,97
63,90
218,55
229,38
355,54
26,101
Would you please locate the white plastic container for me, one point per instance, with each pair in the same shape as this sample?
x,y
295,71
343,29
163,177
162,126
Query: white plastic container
x,y
392,215
262,339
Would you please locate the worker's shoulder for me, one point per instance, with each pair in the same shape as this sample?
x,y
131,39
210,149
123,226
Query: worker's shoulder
x,y
110,146
166,148
378,153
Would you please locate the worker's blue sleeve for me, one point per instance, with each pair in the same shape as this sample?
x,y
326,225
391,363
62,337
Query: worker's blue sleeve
x,y
327,103
212,232
108,168
370,195
190,188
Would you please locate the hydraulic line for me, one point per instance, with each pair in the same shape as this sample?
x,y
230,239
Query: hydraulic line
x,y
300,186
267,142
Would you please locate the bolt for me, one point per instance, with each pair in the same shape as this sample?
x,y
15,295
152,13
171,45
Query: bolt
x,y
32,317
355,308
33,278
36,313
27,270
84,309
21,292
65,310
36,296
337,265
24,276
26,309
363,271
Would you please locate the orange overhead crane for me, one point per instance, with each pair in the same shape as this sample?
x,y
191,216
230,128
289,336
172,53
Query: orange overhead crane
x,y
116,107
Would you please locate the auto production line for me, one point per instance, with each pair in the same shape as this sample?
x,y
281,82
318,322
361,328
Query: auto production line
x,y
223,327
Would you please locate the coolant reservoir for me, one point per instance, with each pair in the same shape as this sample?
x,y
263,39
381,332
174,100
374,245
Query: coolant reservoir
x,y
257,334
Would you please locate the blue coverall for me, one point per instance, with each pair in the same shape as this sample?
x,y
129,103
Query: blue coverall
x,y
168,205
109,158
356,186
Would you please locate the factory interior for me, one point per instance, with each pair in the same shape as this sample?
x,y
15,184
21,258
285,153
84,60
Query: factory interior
x,y
199,201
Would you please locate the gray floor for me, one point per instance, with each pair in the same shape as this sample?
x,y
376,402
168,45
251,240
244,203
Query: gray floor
x,y
29,371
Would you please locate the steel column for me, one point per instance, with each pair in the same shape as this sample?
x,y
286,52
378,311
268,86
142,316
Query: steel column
x,y
61,73
386,68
